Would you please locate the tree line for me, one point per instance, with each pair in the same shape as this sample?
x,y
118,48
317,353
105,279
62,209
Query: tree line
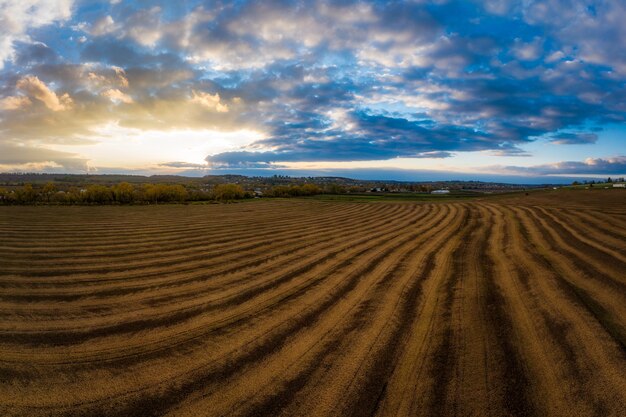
x,y
126,193
122,193
609,180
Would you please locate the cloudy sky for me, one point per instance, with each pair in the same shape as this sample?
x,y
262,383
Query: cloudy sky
x,y
524,89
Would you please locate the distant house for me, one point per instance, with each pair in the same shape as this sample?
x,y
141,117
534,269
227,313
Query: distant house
x,y
440,192
622,185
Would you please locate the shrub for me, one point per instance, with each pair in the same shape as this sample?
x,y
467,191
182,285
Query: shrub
x,y
158,193
98,194
225,192
123,192
25,195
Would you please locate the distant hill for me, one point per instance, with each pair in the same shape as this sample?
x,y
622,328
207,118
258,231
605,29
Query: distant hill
x,y
18,179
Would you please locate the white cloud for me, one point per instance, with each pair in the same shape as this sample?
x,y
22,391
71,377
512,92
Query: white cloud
x,y
596,31
103,26
14,103
499,7
102,77
18,16
145,26
36,88
210,101
117,96
121,76
555,56
528,51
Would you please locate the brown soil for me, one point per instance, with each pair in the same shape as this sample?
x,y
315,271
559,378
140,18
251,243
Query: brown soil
x,y
512,306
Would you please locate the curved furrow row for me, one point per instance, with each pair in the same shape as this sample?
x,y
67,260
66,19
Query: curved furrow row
x,y
114,219
339,287
600,298
566,334
589,227
590,242
212,229
500,378
223,292
318,368
187,252
509,306
587,221
411,389
576,252
184,287
220,262
321,346
216,235
205,232
477,368
308,279
101,294
78,333
617,222
149,223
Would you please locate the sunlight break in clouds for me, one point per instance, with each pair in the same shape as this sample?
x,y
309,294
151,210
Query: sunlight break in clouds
x,y
114,146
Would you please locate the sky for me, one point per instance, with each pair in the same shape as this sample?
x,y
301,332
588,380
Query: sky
x,y
525,91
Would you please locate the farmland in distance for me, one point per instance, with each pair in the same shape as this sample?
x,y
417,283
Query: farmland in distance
x,y
505,306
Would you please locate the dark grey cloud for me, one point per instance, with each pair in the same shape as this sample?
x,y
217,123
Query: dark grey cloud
x,y
372,136
15,154
36,53
590,166
124,54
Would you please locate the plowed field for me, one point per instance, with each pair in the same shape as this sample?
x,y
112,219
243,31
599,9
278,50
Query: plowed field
x,y
499,307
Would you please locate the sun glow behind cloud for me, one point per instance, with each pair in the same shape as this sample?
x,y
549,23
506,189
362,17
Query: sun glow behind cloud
x,y
112,145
